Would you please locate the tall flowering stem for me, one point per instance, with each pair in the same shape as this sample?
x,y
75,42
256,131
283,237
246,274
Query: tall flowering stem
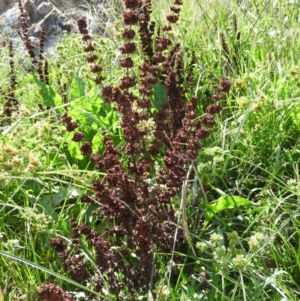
x,y
11,102
135,196
25,33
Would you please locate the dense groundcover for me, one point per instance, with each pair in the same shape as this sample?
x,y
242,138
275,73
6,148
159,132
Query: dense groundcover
x,y
156,159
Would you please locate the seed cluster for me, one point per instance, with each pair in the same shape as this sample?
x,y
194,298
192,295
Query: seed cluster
x,y
135,196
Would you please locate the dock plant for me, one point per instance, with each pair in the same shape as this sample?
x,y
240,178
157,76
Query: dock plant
x,y
133,161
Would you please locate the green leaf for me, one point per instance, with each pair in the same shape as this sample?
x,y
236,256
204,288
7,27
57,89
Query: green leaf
x,y
63,194
74,150
61,224
159,95
295,116
90,118
224,203
50,98
77,87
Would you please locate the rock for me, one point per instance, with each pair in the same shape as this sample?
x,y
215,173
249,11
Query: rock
x,y
64,23
58,16
8,31
44,8
10,18
35,31
3,4
38,12
50,22
29,7
35,42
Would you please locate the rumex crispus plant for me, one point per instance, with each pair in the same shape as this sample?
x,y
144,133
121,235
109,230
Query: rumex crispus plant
x,y
135,196
250,178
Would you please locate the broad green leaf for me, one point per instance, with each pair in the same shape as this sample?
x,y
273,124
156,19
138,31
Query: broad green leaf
x,y
50,98
224,203
77,87
73,148
91,118
57,198
159,95
97,142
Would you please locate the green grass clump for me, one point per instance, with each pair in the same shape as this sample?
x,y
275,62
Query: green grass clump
x,y
236,217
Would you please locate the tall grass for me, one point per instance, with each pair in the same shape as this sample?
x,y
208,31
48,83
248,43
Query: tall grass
x,y
238,211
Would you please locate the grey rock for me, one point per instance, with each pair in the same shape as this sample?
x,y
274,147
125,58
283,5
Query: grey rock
x,y
45,14
35,42
3,4
44,8
57,16
10,18
9,31
30,8
50,23
38,2
64,23
28,5
35,31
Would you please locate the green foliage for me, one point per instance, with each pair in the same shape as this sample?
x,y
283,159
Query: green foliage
x,y
252,158
93,115
159,95
225,203
295,116
48,96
